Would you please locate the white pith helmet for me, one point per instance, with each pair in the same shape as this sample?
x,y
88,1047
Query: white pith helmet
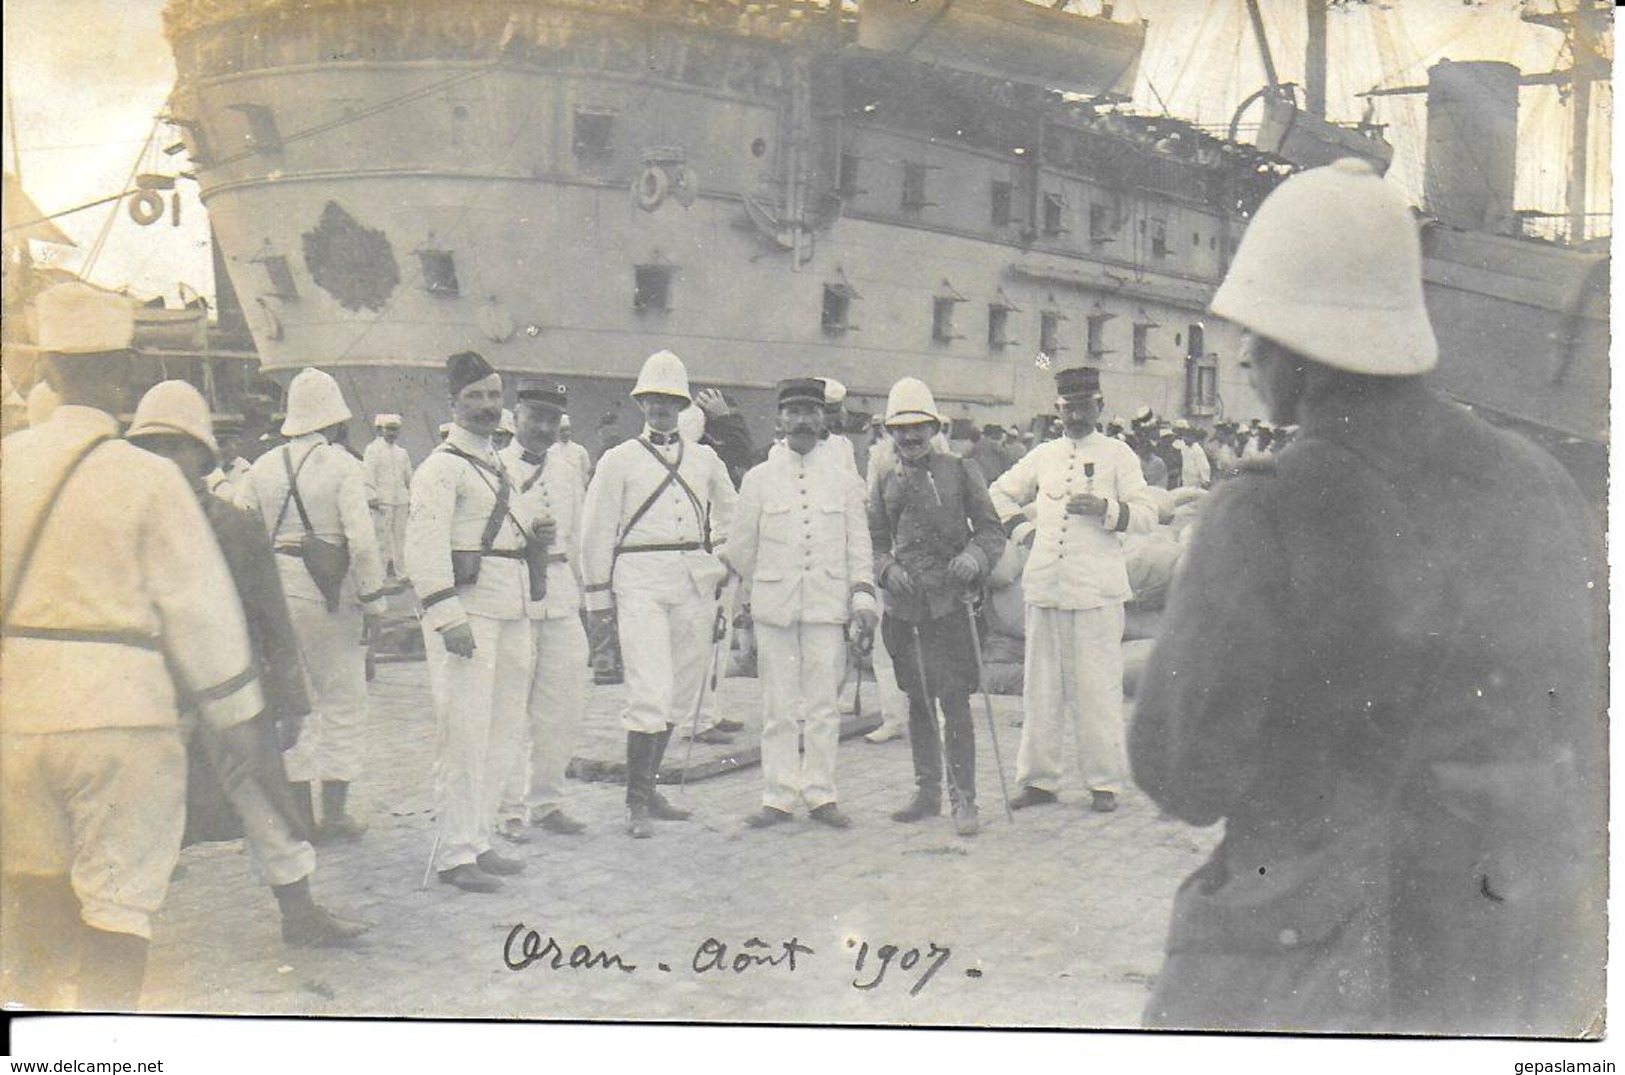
x,y
314,402
663,374
42,402
910,402
1331,267
173,407
834,391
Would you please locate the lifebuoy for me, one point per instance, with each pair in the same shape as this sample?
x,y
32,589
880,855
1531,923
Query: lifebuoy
x,y
650,189
146,207
686,187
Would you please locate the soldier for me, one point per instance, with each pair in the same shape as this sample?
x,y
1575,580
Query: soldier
x,y
650,527
936,538
1383,667
232,470
465,548
506,428
388,471
547,488
116,603
312,497
834,434
990,455
800,539
574,452
172,421
1085,490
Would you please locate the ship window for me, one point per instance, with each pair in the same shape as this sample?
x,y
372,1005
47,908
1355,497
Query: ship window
x,y
1000,204
1099,224
439,272
1054,214
837,311
1159,239
1049,333
914,186
1142,343
262,134
280,276
1201,384
594,138
1196,339
847,183
998,326
758,147
1097,334
651,287
942,319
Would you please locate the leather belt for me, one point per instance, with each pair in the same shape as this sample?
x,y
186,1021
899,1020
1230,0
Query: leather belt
x,y
109,636
670,546
518,554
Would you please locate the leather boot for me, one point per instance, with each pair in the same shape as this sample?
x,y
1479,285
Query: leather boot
x,y
111,967
659,808
337,824
640,782
43,928
925,804
307,924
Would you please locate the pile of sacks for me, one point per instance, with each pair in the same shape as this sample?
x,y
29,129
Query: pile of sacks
x,y
1153,561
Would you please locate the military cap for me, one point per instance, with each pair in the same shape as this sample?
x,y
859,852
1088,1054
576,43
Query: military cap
x,y
544,393
808,389
1077,381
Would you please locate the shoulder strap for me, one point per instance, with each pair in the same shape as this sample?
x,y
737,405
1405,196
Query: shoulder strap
x,y
31,544
293,490
502,489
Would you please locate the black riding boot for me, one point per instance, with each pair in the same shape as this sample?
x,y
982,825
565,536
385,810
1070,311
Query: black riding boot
x,y
641,748
659,808
111,968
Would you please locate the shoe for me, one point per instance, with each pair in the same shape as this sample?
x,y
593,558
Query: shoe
x,y
638,825
712,736
513,830
728,724
497,865
767,817
1031,796
321,928
470,878
830,814
559,823
661,810
1104,802
340,829
967,822
922,806
885,733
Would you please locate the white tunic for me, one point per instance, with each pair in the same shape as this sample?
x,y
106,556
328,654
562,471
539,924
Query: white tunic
x,y
388,471
553,488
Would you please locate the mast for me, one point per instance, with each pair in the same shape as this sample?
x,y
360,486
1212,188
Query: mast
x,y
1314,59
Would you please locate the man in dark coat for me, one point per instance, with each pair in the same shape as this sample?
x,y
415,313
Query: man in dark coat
x,y
1382,670
172,420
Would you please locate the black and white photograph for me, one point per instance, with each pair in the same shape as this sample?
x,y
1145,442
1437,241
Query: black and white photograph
x,y
764,515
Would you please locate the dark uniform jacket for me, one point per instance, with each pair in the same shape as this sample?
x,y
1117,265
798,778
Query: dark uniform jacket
x,y
1382,670
921,516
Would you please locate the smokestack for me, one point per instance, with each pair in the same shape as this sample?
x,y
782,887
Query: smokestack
x,y
1472,143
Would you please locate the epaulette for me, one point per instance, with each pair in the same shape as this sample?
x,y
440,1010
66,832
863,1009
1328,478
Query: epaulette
x,y
1263,465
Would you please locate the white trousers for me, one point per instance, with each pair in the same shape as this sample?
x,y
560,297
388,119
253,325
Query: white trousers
x,y
332,742
1074,674
280,857
389,520
800,667
717,669
665,642
545,740
479,705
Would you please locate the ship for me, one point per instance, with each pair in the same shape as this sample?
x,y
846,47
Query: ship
x,y
950,189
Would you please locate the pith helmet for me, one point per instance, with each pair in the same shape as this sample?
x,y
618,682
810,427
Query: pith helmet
x,y
663,374
834,391
42,402
910,402
1331,266
173,407
314,402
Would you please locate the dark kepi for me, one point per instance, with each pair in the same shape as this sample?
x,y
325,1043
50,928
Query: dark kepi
x,y
1076,382
808,389
544,393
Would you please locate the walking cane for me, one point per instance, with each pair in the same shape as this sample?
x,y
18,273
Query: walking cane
x,y
942,722
427,870
719,631
987,702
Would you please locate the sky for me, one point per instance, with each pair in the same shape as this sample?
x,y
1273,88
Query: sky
x,y
87,78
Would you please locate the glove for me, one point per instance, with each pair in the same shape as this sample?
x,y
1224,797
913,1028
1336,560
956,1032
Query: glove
x,y
964,567
898,581
459,640
863,625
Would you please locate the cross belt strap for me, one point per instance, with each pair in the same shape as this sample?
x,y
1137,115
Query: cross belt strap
x,y
30,544
502,489
108,636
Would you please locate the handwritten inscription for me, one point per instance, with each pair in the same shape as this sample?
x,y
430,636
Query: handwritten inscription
x,y
915,965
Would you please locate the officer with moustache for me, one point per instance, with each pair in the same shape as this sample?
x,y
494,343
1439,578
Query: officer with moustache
x,y
651,527
466,550
548,490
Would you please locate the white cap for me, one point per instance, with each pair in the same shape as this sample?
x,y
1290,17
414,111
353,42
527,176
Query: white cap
x,y
173,407
387,421
77,318
564,421
691,424
507,424
910,402
314,402
1331,267
834,391
663,374
42,400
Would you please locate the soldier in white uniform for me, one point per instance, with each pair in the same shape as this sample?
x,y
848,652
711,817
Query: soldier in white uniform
x,y
1086,489
117,602
653,518
548,489
388,470
834,435
800,537
466,549
312,497
574,451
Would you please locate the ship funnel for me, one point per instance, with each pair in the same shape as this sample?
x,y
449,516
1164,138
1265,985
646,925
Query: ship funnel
x,y
1472,142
